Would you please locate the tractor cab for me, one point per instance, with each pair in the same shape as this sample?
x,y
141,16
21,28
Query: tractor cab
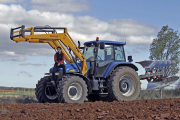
x,y
101,54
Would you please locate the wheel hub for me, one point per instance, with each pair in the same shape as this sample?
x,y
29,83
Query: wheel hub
x,y
50,93
73,91
124,85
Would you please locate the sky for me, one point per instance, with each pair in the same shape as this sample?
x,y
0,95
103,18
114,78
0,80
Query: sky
x,y
136,22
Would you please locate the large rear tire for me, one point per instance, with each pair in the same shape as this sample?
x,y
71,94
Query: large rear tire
x,y
124,84
45,93
72,89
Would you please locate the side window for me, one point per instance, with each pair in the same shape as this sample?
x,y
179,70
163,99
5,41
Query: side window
x,y
119,53
109,53
100,54
89,52
106,54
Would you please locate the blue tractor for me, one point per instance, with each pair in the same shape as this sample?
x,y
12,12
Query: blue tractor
x,y
99,72
109,77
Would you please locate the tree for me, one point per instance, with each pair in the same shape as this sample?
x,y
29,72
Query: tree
x,y
166,47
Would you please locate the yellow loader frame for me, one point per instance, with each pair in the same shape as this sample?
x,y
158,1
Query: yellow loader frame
x,y
54,39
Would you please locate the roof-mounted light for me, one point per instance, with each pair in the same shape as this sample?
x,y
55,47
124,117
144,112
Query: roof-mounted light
x,y
97,38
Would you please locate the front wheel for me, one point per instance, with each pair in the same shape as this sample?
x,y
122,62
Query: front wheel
x,y
124,84
45,93
72,89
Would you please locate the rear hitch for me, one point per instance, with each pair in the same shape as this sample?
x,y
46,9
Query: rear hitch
x,y
161,83
155,74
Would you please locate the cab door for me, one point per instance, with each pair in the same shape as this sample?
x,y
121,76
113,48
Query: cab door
x,y
104,58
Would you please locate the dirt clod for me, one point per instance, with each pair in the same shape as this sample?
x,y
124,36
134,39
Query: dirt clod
x,y
43,110
166,115
157,109
4,111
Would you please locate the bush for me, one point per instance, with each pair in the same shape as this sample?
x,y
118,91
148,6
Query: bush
x,y
156,94
19,99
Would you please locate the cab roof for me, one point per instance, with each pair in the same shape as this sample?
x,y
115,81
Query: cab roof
x,y
106,42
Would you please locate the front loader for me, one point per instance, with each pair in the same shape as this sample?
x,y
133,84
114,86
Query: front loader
x,y
100,72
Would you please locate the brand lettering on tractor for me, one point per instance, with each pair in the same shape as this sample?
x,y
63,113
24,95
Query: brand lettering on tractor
x,y
53,35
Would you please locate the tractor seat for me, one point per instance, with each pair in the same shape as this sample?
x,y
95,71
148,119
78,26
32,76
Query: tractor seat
x,y
60,68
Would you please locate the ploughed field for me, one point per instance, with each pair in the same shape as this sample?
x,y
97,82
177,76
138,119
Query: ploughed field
x,y
137,109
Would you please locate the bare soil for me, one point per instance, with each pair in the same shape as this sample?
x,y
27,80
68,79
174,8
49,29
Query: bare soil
x,y
156,109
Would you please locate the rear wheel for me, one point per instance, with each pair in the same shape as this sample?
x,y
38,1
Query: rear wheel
x,y
45,93
124,84
72,89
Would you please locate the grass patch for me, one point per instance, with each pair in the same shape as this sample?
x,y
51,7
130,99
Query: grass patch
x,y
156,94
17,93
18,99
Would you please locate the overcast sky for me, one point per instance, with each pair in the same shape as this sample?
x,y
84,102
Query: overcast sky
x,y
23,64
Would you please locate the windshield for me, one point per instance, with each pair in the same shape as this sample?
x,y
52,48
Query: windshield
x,y
106,54
89,53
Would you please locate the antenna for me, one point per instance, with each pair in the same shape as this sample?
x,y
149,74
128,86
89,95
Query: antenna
x,y
124,35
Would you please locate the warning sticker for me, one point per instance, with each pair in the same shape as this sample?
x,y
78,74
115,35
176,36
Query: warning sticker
x,y
53,35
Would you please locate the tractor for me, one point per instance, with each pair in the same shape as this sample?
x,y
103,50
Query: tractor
x,y
97,71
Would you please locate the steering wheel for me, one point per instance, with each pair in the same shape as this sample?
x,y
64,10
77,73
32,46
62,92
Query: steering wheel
x,y
99,57
91,58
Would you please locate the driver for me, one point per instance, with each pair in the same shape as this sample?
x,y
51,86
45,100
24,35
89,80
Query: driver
x,y
59,62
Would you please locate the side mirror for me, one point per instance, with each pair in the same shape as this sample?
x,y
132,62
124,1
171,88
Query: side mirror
x,y
130,58
102,45
79,44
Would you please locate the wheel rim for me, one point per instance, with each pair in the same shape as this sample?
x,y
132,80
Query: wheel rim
x,y
75,91
50,92
126,85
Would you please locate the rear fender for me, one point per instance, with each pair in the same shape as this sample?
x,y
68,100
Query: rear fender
x,y
114,65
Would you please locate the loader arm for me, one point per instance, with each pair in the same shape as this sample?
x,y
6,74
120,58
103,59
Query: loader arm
x,y
54,39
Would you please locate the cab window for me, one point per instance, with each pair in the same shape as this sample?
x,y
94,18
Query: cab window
x,y
119,53
106,54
